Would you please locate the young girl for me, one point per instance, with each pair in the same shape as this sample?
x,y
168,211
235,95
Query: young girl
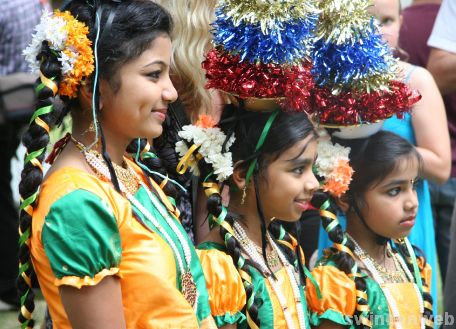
x,y
99,231
273,154
370,277
425,125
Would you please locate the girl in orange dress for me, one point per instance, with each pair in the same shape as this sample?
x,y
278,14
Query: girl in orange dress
x,y
100,230
372,277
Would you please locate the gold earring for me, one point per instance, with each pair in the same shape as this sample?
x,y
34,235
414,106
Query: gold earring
x,y
91,127
244,194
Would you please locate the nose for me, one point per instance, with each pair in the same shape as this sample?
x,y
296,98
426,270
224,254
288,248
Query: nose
x,y
411,203
169,93
311,184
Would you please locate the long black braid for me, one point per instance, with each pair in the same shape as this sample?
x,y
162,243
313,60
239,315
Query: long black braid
x,y
35,140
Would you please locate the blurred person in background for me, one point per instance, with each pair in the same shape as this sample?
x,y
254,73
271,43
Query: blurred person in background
x,y
418,20
442,64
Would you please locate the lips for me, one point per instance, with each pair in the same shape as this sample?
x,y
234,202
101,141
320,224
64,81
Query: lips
x,y
160,113
409,221
303,204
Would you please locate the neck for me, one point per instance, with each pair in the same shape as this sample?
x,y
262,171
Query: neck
x,y
115,147
250,220
366,239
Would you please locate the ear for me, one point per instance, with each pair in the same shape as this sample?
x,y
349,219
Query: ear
x,y
401,19
239,175
342,203
85,94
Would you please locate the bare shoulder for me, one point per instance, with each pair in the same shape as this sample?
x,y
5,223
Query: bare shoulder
x,y
419,77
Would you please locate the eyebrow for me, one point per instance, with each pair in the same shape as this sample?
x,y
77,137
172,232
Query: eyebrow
x,y
159,61
399,182
300,153
301,162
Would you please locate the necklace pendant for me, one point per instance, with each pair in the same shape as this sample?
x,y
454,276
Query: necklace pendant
x,y
189,289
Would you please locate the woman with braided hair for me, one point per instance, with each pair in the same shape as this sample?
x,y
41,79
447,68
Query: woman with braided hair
x,y
273,153
100,229
371,277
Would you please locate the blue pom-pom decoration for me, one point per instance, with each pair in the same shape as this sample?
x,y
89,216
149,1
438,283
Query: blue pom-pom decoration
x,y
290,42
343,64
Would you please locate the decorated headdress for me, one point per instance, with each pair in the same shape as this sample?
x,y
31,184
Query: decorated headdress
x,y
261,59
262,50
354,70
356,84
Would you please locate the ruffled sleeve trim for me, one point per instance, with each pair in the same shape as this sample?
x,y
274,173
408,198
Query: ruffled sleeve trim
x,y
228,318
338,294
226,291
78,282
330,315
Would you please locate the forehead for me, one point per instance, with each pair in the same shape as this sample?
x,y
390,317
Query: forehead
x,y
158,50
296,150
406,168
382,7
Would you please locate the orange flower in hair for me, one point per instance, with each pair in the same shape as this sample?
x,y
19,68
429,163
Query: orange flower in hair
x,y
68,39
338,181
205,121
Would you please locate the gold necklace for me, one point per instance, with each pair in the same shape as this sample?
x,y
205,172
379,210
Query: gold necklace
x,y
272,258
124,172
388,276
396,276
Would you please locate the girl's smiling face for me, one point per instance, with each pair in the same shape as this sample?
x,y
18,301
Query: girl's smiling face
x,y
138,108
289,182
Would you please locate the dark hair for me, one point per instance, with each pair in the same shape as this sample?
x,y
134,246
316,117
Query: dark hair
x,y
286,130
372,159
127,28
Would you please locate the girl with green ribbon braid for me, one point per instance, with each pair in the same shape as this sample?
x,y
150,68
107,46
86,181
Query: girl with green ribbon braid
x,y
273,153
372,277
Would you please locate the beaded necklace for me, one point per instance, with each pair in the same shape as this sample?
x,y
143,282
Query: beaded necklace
x,y
249,248
189,289
369,263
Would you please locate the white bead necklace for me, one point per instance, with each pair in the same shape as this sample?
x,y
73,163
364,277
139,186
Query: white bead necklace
x,y
189,289
361,254
249,248
294,280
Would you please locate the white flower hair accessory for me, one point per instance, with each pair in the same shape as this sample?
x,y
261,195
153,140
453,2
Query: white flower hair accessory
x,y
333,165
207,141
68,38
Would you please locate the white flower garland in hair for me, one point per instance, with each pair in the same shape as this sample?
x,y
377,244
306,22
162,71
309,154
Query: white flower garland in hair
x,y
209,140
332,164
68,38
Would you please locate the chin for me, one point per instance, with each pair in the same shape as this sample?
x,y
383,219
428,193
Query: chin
x,y
290,219
155,132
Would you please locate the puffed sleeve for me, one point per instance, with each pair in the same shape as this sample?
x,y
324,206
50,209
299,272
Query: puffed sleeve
x,y
226,292
338,300
81,239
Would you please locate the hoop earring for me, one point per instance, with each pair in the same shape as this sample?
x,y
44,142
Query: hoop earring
x,y
244,194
